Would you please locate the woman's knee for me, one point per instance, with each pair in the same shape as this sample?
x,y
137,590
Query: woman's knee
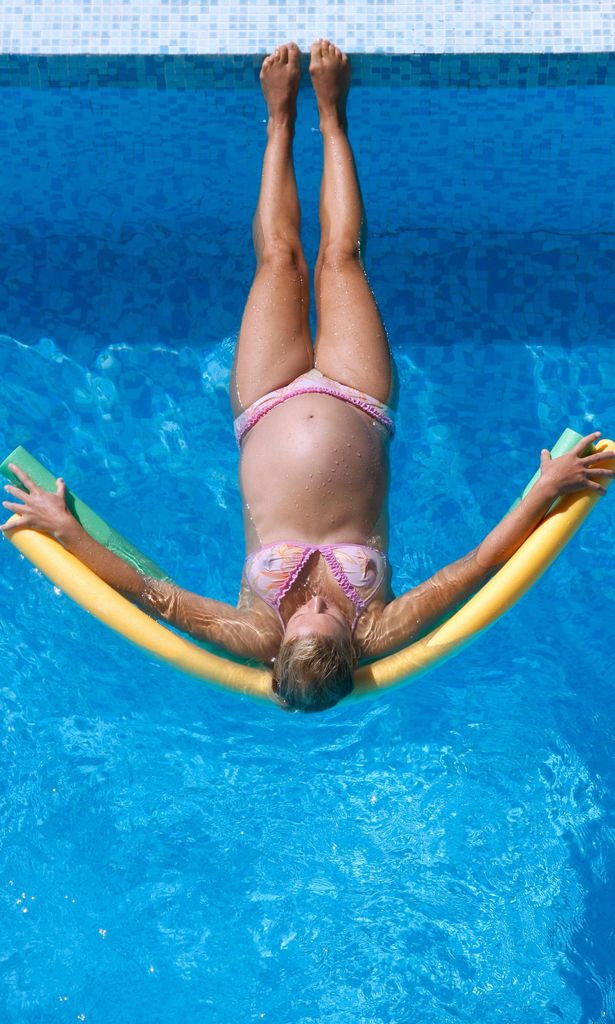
x,y
283,254
339,254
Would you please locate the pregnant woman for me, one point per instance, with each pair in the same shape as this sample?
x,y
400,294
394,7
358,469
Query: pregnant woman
x,y
314,428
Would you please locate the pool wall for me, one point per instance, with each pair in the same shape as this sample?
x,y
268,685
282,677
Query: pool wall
x,y
128,193
366,26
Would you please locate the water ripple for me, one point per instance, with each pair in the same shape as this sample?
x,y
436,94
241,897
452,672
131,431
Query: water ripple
x,y
438,854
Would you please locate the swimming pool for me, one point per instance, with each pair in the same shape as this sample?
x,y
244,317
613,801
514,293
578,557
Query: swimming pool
x,y
443,853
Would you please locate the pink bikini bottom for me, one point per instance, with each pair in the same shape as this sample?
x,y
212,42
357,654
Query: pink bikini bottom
x,y
313,383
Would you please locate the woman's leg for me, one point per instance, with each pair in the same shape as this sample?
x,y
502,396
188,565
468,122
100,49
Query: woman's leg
x,y
351,343
274,344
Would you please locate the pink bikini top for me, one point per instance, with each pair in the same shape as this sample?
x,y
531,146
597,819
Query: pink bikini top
x,y
359,570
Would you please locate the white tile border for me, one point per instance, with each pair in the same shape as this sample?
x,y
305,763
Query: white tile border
x,y
365,26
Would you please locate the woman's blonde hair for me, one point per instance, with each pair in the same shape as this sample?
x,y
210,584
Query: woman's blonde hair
x,y
313,672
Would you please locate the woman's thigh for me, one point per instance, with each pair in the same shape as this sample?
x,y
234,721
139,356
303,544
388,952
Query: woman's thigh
x,y
274,345
351,342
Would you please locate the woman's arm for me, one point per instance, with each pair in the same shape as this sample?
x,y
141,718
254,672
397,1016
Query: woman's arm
x,y
244,632
413,614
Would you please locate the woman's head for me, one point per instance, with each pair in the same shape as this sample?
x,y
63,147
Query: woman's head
x,y
313,669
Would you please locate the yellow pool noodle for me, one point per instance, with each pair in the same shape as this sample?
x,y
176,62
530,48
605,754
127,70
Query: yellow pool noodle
x,y
509,584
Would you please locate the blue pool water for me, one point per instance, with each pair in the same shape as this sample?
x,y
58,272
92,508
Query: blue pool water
x,y
172,852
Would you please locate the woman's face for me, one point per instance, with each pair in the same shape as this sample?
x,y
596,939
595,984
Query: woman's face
x,y
317,616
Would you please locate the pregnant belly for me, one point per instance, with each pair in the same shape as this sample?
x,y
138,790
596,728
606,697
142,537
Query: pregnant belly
x,y
314,469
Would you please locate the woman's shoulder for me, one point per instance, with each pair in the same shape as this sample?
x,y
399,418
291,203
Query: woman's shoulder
x,y
262,616
368,629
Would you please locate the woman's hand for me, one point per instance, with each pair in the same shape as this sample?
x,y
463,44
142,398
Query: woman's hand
x,y
38,509
573,472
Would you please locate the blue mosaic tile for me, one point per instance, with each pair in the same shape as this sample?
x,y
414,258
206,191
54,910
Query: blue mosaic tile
x,y
236,26
242,71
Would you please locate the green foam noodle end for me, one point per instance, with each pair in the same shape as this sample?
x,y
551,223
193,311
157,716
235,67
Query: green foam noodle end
x,y
565,443
90,521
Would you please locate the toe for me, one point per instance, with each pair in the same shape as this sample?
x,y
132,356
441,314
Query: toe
x,y
283,54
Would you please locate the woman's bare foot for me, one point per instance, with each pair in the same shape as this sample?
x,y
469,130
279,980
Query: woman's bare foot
x,y
280,76
330,71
